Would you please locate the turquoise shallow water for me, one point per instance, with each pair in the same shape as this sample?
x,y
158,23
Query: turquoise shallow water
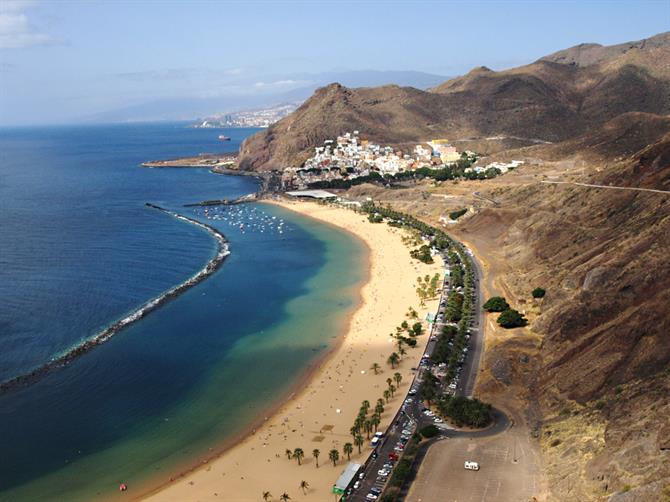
x,y
79,250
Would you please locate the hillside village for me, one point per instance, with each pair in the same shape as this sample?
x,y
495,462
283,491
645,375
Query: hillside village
x,y
349,159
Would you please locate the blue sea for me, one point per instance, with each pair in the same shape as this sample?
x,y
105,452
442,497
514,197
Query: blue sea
x,y
79,250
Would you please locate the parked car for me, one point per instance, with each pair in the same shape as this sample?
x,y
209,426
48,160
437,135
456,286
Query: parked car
x,y
471,466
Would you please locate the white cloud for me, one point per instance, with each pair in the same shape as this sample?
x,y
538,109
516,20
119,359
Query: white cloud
x,y
16,30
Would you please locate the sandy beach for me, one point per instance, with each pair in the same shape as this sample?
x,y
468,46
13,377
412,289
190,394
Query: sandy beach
x,y
321,413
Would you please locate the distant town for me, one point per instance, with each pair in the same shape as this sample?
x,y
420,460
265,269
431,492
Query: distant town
x,y
349,160
264,117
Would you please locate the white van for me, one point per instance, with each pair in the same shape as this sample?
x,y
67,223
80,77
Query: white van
x,y
375,441
471,466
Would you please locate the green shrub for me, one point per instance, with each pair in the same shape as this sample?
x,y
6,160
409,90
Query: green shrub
x,y
496,304
465,411
454,215
511,318
429,431
538,293
422,254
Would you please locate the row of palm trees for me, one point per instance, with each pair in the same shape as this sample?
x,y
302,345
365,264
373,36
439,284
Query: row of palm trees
x,y
285,497
333,455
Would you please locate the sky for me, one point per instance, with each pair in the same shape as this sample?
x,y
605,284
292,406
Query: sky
x,y
72,61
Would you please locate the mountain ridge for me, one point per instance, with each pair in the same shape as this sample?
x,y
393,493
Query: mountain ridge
x,y
544,100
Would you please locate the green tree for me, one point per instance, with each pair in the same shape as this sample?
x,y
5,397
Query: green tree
x,y
315,454
375,420
398,378
496,304
392,389
365,405
348,449
289,453
375,367
538,293
417,329
358,441
429,431
334,456
511,318
284,497
298,454
393,360
387,395
367,426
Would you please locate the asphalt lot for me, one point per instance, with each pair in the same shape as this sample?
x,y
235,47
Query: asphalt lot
x,y
506,472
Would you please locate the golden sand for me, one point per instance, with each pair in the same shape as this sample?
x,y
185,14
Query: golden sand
x,y
321,413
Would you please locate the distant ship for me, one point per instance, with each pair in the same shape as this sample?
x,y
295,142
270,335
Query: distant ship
x,y
223,137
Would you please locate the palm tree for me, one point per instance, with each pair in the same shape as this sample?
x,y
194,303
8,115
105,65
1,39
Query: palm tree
x,y
376,420
392,389
402,351
315,454
284,497
368,427
348,449
387,394
334,456
303,486
393,360
267,496
379,409
358,441
354,431
400,343
289,453
375,367
398,378
365,405
299,454
389,381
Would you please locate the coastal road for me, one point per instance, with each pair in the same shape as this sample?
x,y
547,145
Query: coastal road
x,y
466,385
411,417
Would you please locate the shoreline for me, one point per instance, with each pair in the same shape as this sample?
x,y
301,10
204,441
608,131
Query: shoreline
x,y
190,482
291,394
85,346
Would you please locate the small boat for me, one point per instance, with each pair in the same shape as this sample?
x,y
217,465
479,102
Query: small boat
x,y
223,137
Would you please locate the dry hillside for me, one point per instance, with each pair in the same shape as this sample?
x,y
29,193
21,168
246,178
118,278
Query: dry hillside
x,y
553,99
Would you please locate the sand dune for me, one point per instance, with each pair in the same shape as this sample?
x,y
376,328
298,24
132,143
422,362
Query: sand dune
x,y
322,412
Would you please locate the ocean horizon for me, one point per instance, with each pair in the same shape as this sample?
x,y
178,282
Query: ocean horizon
x,y
80,250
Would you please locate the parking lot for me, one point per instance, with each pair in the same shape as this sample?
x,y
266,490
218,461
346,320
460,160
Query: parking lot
x,y
507,471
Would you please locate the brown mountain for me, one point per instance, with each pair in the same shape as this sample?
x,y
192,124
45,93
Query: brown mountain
x,y
601,380
554,99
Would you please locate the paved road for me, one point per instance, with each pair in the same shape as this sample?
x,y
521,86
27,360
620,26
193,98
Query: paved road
x,y
411,417
470,370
